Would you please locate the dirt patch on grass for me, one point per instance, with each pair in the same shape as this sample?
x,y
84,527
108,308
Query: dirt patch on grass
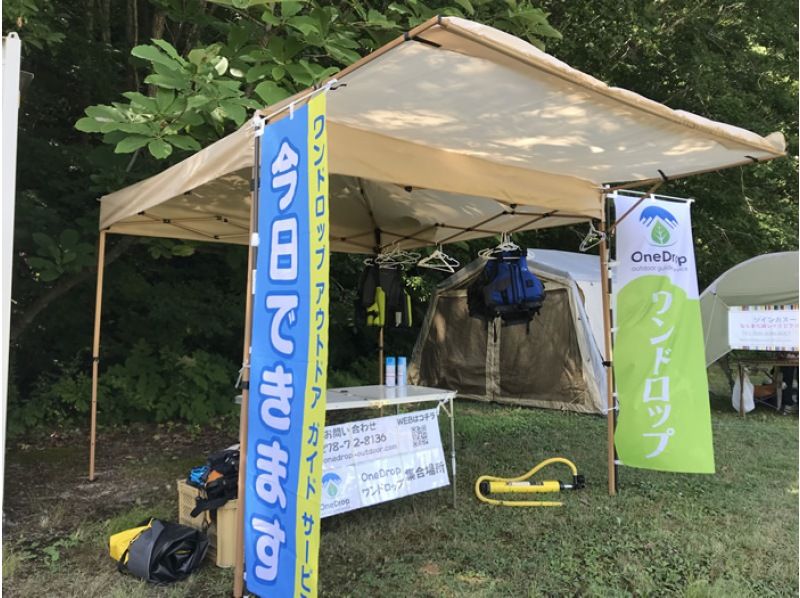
x,y
56,523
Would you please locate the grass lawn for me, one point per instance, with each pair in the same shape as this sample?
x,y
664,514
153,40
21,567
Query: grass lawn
x,y
731,534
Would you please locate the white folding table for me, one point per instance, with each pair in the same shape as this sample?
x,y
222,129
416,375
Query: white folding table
x,y
377,396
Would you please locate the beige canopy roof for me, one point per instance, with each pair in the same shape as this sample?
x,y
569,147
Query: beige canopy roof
x,y
455,126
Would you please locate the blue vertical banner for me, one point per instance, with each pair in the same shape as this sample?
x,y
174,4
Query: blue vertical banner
x,y
288,358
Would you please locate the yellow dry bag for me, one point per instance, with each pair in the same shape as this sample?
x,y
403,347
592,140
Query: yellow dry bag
x,y
118,543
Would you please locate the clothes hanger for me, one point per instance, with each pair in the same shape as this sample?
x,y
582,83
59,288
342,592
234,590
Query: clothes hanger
x,y
395,258
439,260
505,245
592,238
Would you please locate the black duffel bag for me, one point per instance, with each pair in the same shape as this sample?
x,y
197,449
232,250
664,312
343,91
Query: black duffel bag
x,y
164,552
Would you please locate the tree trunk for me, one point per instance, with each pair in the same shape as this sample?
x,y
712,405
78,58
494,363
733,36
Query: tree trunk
x,y
157,32
105,21
133,40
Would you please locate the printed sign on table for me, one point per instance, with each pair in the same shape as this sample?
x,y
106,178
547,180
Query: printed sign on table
x,y
377,460
289,357
764,327
659,357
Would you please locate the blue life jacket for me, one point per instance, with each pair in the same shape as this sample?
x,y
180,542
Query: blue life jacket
x,y
507,288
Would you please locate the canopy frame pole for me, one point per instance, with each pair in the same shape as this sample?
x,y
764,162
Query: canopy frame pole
x,y
98,308
238,573
377,250
610,404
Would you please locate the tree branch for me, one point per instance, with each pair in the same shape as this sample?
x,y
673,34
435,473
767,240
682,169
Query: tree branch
x,y
62,287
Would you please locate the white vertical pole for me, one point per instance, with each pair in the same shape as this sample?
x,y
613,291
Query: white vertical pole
x,y
11,99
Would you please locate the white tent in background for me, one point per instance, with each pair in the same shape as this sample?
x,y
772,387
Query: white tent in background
x,y
769,279
584,269
555,362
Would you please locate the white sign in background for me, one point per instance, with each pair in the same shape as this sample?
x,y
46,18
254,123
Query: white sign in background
x,y
764,328
376,460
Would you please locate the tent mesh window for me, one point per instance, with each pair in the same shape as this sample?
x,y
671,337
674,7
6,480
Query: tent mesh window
x,y
542,362
454,353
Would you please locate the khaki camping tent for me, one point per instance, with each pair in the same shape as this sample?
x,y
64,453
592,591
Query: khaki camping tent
x,y
453,131
554,362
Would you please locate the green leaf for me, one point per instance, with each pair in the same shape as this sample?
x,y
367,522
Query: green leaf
x,y
197,101
89,125
234,111
147,129
343,55
69,238
159,149
40,263
305,24
131,143
49,275
103,113
377,19
289,9
466,5
167,82
170,50
42,240
300,73
142,101
258,72
184,142
270,92
278,73
156,56
269,18
164,99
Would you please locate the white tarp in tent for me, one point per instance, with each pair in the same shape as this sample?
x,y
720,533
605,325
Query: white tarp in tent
x,y
456,126
554,362
769,279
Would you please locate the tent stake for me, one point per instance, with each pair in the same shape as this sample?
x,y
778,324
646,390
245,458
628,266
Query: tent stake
x,y
98,307
612,468
238,573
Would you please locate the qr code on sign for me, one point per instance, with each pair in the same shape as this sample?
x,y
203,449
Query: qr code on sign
x,y
419,434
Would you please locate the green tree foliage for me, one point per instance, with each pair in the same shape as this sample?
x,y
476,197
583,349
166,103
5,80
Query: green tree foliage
x,y
123,88
735,62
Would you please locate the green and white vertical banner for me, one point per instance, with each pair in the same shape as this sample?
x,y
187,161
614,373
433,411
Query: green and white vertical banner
x,y
659,363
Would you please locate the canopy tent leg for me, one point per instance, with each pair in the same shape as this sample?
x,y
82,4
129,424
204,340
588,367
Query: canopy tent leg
x,y
98,306
611,416
238,572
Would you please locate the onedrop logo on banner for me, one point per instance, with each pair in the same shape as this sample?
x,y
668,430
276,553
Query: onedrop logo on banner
x,y
330,483
662,225
662,231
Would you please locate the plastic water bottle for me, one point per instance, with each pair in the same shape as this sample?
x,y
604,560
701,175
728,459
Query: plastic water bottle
x,y
401,371
390,378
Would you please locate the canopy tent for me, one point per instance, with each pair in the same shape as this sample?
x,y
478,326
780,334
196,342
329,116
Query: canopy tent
x,y
453,131
454,126
769,279
554,362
